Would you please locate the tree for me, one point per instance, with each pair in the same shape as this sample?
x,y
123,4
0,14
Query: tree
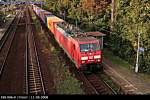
x,y
131,18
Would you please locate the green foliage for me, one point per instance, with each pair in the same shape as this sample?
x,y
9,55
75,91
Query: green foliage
x,y
76,14
132,16
116,60
70,85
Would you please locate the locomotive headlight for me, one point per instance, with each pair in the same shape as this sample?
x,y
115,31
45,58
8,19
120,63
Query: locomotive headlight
x,y
84,58
97,56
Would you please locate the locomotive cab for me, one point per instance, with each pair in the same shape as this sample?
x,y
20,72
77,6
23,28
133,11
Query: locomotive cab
x,y
90,53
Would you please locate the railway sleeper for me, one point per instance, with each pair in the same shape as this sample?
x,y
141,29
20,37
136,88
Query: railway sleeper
x,y
32,86
97,82
33,61
96,85
35,85
32,64
35,70
36,92
35,82
36,89
33,56
31,72
101,88
102,91
33,78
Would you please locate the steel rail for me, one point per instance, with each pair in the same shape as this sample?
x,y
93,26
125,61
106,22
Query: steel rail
x,y
11,41
26,61
94,88
109,87
5,36
38,64
89,83
34,59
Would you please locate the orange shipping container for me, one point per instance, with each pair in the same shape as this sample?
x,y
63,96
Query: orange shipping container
x,y
51,21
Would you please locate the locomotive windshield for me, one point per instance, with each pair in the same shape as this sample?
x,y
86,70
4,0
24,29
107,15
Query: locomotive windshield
x,y
89,47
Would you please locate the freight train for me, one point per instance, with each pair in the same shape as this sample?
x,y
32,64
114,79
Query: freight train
x,y
83,48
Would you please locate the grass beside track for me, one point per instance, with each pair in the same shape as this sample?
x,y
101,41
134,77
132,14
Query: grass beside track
x,y
116,60
109,81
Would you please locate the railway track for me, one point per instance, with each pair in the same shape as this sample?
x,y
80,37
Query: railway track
x,y
20,70
7,40
95,85
11,57
34,79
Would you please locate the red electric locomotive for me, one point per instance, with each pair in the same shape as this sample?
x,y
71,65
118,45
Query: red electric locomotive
x,y
82,48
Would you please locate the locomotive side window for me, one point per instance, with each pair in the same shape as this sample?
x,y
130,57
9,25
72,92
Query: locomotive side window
x,y
89,47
